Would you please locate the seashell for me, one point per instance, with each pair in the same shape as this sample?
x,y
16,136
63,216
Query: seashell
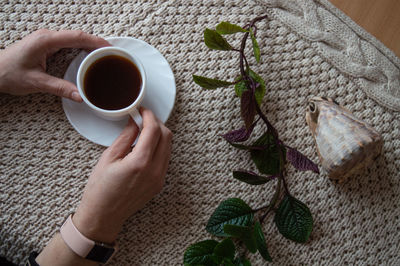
x,y
345,144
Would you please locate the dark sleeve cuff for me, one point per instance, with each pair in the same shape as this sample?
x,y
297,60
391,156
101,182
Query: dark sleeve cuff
x,y
32,259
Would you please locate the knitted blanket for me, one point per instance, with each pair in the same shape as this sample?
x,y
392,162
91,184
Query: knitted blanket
x,y
308,48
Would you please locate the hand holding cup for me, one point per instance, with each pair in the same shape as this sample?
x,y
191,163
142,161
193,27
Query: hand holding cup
x,y
23,64
124,179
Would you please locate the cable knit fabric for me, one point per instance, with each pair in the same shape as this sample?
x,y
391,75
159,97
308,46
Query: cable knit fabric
x,y
371,65
308,48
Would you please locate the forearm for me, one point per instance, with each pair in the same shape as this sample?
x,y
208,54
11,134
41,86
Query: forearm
x,y
3,72
11,78
58,253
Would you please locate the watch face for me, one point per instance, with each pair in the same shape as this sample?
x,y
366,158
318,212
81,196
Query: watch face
x,y
100,253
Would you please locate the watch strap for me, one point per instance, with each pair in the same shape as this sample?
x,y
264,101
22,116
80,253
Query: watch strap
x,y
79,243
83,246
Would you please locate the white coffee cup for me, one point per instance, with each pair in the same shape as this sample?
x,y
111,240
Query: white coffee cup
x,y
119,114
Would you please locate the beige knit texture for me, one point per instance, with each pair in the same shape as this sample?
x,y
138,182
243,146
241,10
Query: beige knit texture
x,y
45,163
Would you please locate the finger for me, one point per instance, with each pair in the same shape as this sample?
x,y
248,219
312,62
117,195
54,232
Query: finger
x,y
149,137
162,154
123,144
74,39
60,87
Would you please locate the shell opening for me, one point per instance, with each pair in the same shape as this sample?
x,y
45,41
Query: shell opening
x,y
312,107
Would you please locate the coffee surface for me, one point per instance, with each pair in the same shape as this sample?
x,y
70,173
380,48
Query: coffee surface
x,y
112,82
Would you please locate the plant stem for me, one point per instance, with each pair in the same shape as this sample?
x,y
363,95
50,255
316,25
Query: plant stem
x,y
285,185
269,125
243,46
279,144
262,208
255,31
243,254
273,201
242,56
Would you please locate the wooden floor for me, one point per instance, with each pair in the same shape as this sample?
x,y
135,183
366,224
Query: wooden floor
x,y
381,18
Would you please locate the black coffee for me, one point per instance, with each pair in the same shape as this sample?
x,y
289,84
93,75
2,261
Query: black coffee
x,y
112,82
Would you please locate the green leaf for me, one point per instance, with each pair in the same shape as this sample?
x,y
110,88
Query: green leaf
x,y
260,240
261,89
201,253
240,146
267,160
225,249
231,211
228,263
244,233
256,48
246,262
241,86
228,28
250,177
242,262
208,83
294,219
215,41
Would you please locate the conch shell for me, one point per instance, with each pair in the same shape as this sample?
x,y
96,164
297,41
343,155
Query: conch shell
x,y
345,144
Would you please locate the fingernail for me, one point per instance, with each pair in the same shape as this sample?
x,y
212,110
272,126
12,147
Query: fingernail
x,y
76,96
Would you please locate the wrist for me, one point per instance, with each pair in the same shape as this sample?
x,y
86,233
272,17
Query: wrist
x,y
11,77
95,228
3,73
57,252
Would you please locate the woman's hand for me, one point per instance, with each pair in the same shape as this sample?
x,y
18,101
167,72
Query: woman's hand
x,y
124,179
23,64
122,182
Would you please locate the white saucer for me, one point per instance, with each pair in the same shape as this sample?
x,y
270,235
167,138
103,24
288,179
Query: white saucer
x,y
159,97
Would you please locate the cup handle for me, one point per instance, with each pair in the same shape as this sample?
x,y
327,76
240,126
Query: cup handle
x,y
137,118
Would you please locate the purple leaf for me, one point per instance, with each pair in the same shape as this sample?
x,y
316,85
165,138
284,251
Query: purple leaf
x,y
249,148
239,135
251,178
300,161
248,107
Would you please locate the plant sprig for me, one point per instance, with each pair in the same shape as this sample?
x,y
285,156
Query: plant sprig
x,y
234,219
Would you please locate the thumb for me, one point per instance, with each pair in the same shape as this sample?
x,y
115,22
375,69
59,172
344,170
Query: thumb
x,y
57,86
123,144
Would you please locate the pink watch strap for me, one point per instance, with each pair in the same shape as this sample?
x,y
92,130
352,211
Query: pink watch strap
x,y
80,244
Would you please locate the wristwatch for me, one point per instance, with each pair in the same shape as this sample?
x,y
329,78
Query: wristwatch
x,y
83,246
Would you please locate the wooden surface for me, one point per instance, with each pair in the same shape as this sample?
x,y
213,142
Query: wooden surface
x,y
381,18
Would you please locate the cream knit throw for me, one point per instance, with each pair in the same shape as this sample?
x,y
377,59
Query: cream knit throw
x,y
308,48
